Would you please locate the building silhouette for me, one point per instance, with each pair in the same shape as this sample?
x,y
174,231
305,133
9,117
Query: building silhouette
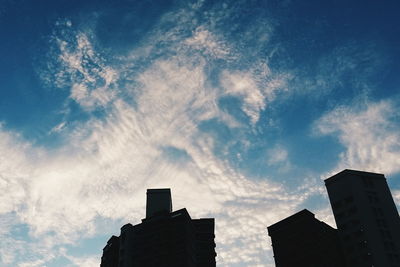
x,y
303,240
367,218
110,252
164,238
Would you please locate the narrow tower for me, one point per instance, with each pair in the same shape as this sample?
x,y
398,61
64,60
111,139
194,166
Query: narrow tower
x,y
158,201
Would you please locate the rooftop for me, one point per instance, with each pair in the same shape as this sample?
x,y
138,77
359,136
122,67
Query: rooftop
x,y
348,172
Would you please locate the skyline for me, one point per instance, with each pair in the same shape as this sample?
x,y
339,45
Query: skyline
x,y
242,108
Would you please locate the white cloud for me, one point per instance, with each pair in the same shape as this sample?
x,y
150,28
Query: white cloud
x,y
108,163
58,128
84,71
278,156
204,40
15,167
244,86
369,134
256,88
86,261
15,250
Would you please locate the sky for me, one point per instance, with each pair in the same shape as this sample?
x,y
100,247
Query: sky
x,y
241,107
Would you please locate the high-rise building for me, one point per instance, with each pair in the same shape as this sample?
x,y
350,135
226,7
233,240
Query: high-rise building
x,y
367,218
303,240
164,238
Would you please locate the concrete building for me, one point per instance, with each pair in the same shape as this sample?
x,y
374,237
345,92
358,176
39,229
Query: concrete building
x,y
303,240
367,218
164,238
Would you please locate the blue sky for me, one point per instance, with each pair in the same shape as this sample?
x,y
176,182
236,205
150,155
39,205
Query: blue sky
x,y
242,108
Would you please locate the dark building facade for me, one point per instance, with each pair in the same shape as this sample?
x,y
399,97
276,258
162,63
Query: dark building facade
x,y
164,238
303,240
110,253
367,218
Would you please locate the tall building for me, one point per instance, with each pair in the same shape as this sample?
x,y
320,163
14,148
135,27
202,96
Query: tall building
x,y
367,218
164,238
303,240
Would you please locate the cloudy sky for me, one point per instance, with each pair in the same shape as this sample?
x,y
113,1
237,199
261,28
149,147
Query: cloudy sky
x,y
241,107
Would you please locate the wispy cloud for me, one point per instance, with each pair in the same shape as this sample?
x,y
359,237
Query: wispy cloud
x,y
255,90
58,128
208,43
74,65
369,133
345,70
279,156
91,79
109,162
86,261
